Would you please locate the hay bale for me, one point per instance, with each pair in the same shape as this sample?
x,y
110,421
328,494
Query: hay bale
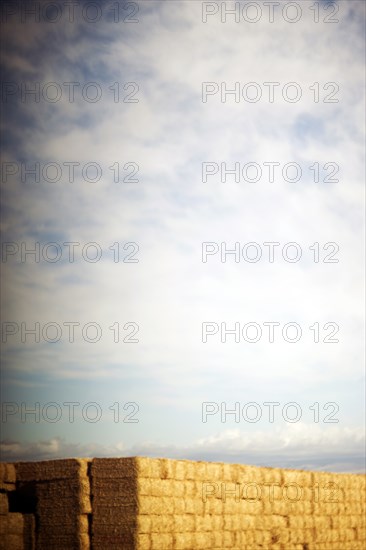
x,y
12,524
185,523
52,469
161,541
4,504
114,468
201,541
183,541
12,542
143,542
7,473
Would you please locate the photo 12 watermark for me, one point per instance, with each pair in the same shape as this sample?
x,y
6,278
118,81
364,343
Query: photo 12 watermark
x,y
69,11
69,251
271,492
70,171
268,171
269,411
269,251
69,92
270,92
269,332
269,12
69,332
68,411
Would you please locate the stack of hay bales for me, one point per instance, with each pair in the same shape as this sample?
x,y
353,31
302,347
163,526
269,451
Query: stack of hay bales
x,y
17,531
159,504
115,507
342,502
60,491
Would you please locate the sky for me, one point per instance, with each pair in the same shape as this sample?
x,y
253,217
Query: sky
x,y
191,184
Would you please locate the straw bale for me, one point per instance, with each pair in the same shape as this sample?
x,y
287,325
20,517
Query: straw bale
x,y
271,475
161,541
116,528
228,539
278,508
12,524
167,468
4,504
7,473
300,477
335,508
262,537
178,488
48,470
211,506
114,468
156,505
193,506
157,467
144,523
184,523
348,534
114,488
54,517
269,491
245,538
269,522
217,539
342,522
322,522
249,507
11,542
150,467
201,540
180,470
162,524
192,489
183,541
231,522
228,472
214,471
218,521
301,535
29,533
62,542
200,471
204,523
162,488
143,541
191,470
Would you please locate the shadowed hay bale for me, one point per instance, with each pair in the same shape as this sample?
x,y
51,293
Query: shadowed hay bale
x,y
12,542
4,504
7,473
12,524
113,468
52,469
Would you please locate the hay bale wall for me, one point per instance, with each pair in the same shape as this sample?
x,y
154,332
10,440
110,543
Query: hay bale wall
x,y
17,531
176,504
159,504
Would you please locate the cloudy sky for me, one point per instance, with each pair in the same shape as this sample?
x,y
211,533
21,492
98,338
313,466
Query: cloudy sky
x,y
139,140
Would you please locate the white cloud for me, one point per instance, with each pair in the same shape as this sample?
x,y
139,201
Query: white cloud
x,y
170,212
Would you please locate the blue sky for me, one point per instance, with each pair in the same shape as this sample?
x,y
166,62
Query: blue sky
x,y
169,212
